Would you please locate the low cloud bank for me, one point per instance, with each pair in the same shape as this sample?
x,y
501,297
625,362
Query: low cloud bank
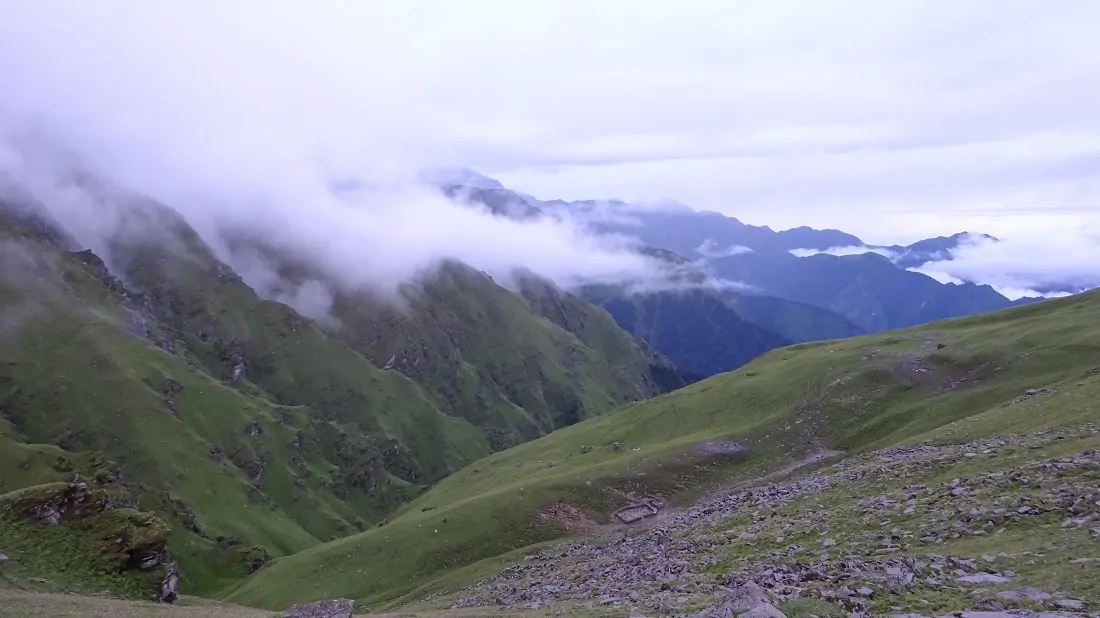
x,y
710,250
847,250
377,236
1039,263
1043,262
304,146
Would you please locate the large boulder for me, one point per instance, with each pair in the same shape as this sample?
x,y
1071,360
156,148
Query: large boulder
x,y
748,600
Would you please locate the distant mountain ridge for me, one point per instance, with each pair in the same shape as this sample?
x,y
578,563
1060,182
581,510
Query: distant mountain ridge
x,y
857,291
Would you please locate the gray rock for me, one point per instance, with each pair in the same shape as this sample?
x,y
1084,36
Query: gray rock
x,y
982,578
865,591
765,610
169,585
3,558
1023,510
336,608
740,599
828,542
1070,604
1035,594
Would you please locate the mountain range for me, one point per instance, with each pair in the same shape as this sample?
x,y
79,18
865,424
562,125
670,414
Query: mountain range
x,y
222,425
809,293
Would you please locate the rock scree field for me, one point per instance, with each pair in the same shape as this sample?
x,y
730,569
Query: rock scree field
x,y
951,467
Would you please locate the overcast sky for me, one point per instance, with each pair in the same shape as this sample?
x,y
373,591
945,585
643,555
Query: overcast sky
x,y
893,120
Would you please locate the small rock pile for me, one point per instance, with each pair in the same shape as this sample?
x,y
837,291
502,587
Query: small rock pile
x,y
336,608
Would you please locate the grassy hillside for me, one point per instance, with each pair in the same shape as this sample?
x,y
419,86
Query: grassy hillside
x,y
797,322
949,380
230,469
517,367
81,537
253,431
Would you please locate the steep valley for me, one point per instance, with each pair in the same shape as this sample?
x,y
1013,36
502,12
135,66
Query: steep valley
x,y
255,432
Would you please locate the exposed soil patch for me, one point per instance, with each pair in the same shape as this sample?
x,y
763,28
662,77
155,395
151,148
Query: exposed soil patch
x,y
569,516
916,372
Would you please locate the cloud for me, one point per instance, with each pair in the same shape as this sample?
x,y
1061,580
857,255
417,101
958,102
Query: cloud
x,y
895,121
848,250
305,128
375,237
709,249
684,284
1043,262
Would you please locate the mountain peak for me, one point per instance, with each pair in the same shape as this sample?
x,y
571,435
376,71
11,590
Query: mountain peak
x,y
460,176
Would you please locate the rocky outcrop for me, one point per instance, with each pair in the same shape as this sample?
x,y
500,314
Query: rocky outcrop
x,y
121,538
747,601
169,586
47,504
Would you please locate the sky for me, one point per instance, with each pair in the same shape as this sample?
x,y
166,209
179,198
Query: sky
x,y
891,120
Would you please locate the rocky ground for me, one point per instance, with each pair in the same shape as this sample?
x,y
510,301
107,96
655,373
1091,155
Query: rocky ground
x,y
997,527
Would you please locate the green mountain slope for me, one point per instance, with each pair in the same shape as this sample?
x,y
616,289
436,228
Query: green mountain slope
x,y
253,431
517,367
798,322
82,367
697,329
1019,370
